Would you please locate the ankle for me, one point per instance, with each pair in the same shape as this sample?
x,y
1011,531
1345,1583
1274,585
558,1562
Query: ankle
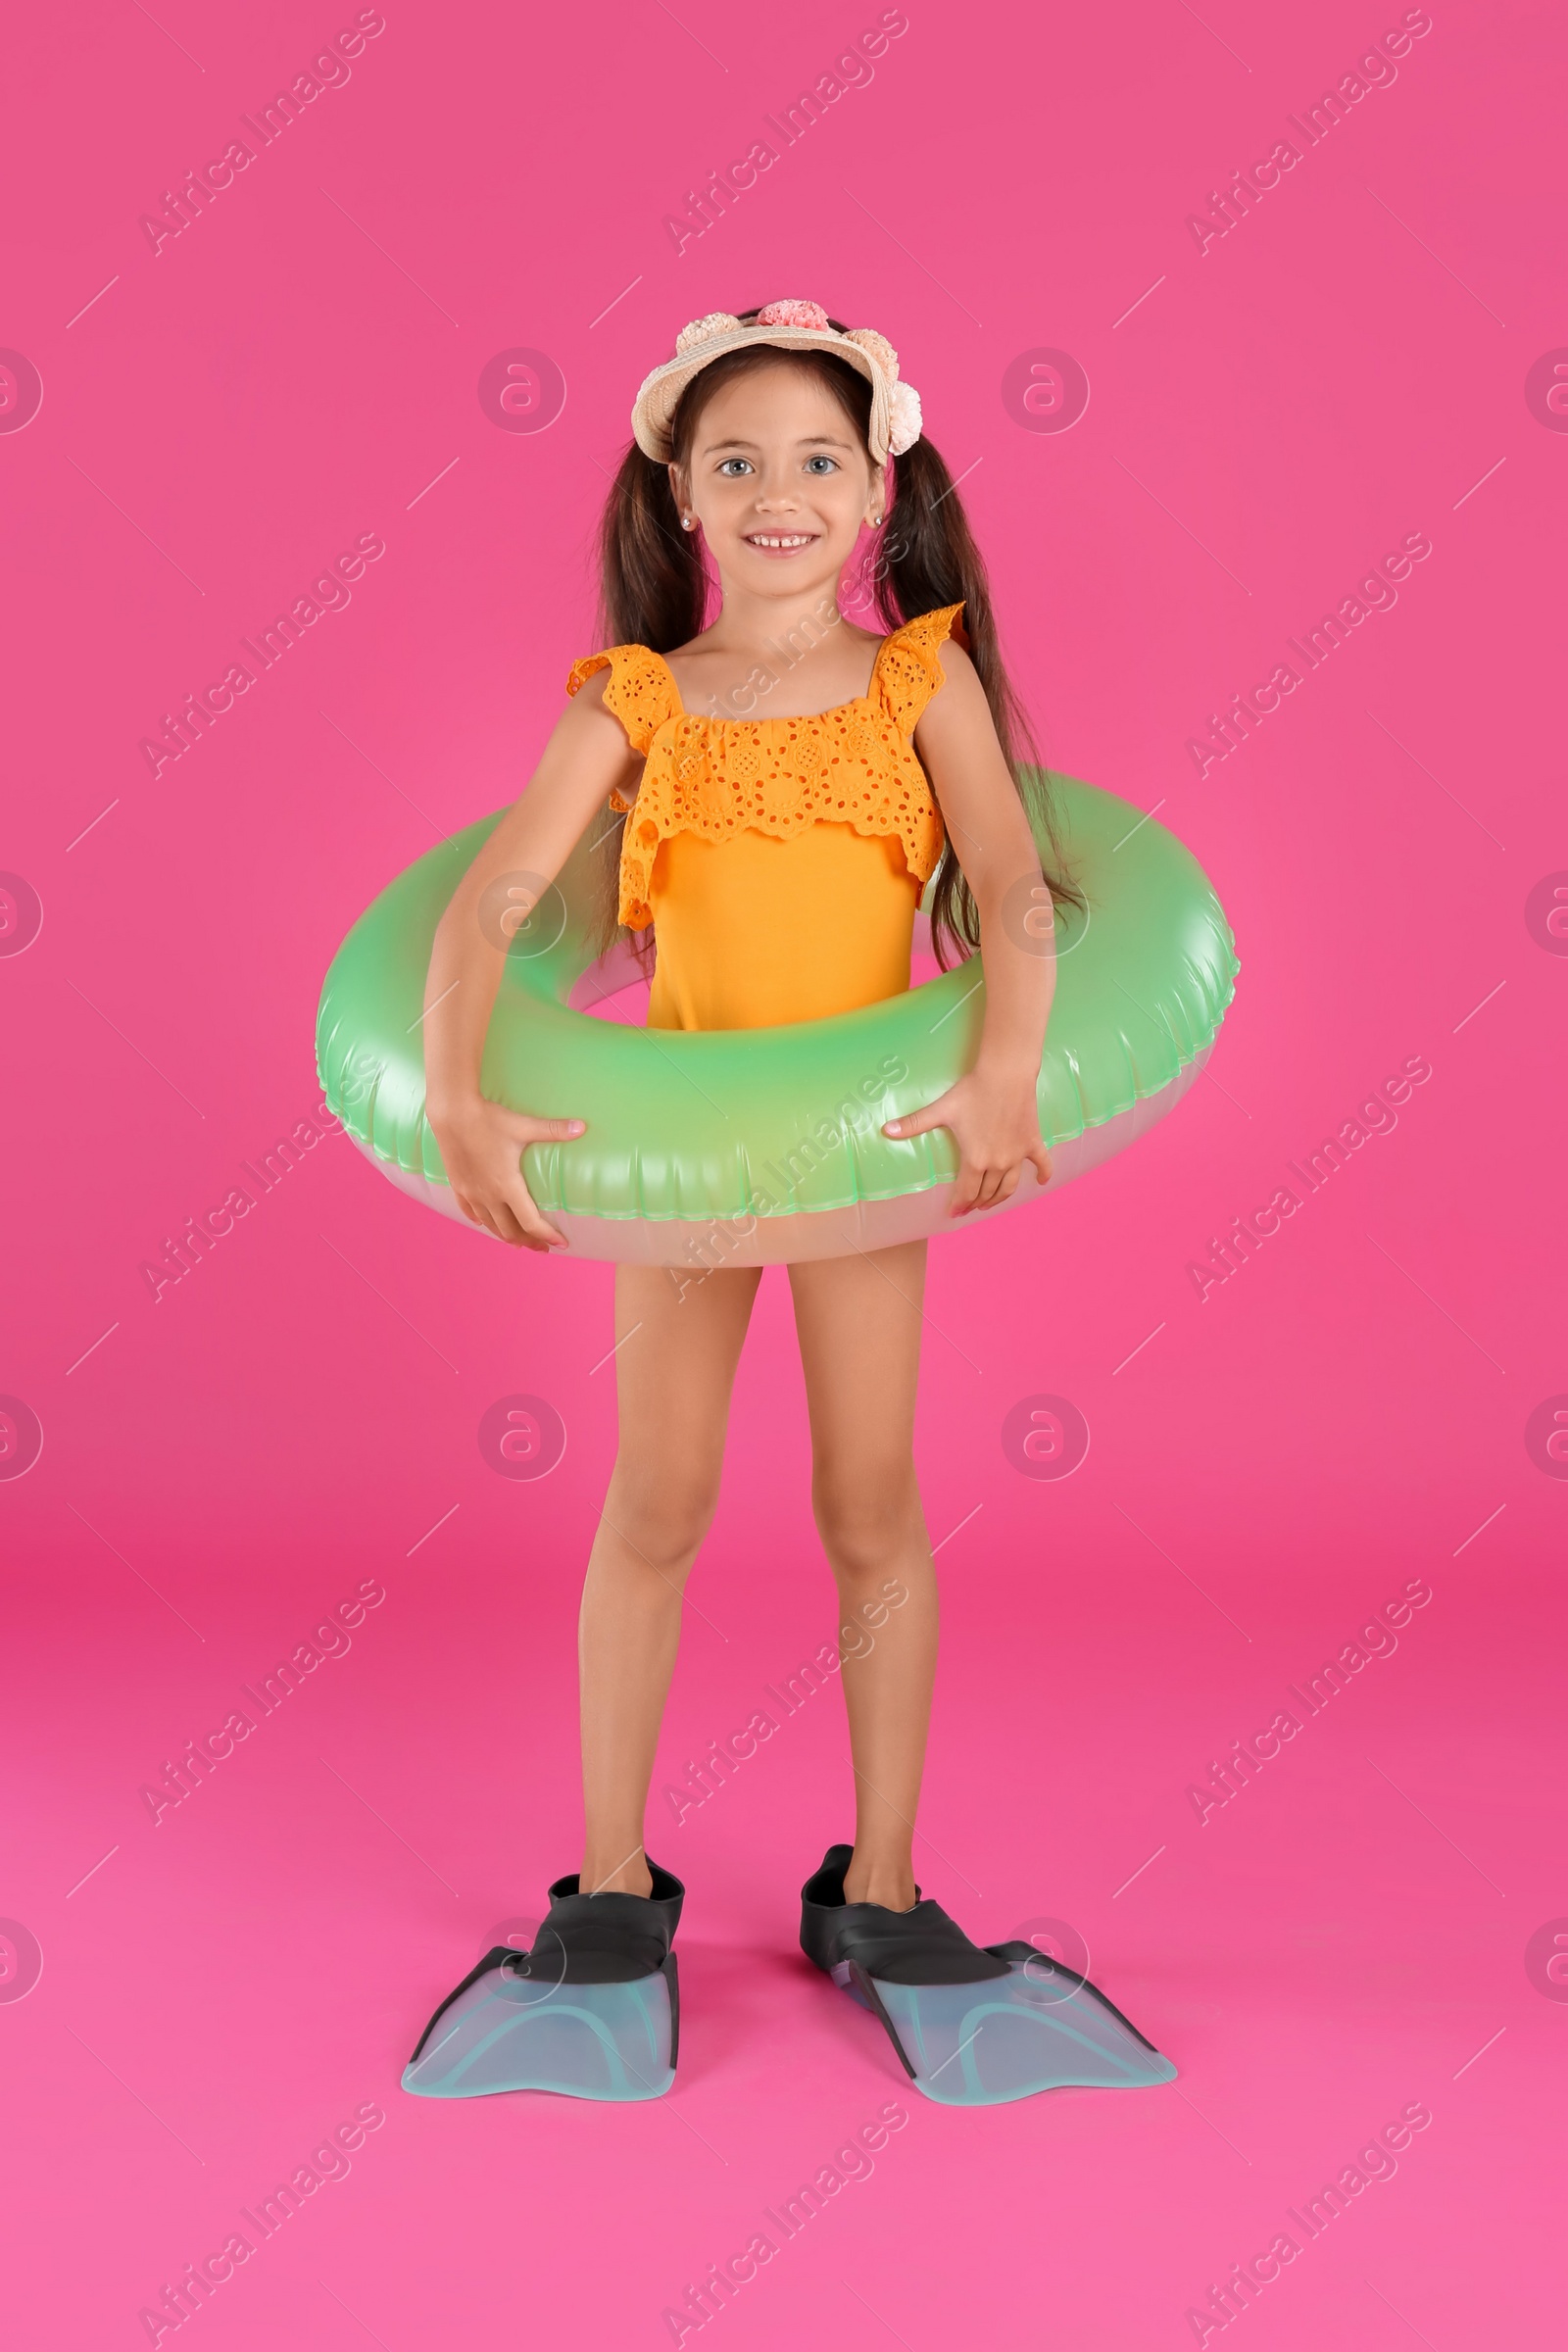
x,y
888,1882
601,1875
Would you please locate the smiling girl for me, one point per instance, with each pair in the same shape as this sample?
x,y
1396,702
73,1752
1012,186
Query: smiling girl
x,y
780,860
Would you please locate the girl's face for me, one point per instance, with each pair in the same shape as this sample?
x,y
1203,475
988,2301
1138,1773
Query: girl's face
x,y
779,480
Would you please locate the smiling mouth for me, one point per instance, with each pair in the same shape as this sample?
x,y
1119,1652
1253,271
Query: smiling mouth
x,y
781,542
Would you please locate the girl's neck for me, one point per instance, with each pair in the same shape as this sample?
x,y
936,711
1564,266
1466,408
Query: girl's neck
x,y
745,623
778,656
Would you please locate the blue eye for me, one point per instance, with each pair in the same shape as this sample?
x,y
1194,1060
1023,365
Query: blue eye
x,y
727,463
822,463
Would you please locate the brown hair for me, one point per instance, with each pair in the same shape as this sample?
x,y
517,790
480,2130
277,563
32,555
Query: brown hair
x,y
653,590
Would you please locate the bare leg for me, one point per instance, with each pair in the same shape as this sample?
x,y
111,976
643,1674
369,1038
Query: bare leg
x,y
674,1369
860,1328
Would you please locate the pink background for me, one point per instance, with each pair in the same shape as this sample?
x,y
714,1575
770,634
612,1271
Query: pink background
x,y
1267,418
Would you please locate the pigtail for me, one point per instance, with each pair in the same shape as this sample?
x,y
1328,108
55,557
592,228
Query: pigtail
x,y
652,582
651,591
928,558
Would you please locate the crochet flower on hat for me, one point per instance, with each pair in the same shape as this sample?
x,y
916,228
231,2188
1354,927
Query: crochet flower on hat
x,y
795,314
703,330
905,420
879,348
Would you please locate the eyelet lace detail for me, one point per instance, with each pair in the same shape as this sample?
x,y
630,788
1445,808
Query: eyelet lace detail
x,y
853,766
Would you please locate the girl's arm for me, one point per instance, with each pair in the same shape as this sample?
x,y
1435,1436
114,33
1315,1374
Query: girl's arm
x,y
992,1111
481,1143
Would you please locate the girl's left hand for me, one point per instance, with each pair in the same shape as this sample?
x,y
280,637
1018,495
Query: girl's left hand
x,y
996,1124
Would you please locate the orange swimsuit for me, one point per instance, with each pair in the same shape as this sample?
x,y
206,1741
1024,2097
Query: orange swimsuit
x,y
780,860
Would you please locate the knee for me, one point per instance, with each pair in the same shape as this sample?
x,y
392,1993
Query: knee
x,y
663,1510
864,1516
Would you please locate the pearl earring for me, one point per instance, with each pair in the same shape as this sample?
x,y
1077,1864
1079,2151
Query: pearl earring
x,y
688,522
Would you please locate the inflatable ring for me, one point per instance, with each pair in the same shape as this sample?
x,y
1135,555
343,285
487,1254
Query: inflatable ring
x,y
756,1147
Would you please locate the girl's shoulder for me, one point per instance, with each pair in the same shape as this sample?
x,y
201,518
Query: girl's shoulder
x,y
640,688
908,667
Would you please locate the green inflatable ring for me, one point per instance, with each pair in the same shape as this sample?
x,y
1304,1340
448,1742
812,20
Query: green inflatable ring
x,y
750,1147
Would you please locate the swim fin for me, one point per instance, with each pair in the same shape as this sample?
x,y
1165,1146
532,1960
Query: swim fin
x,y
972,2026
592,2011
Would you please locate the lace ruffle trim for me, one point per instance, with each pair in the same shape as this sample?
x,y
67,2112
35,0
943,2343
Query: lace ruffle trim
x,y
713,777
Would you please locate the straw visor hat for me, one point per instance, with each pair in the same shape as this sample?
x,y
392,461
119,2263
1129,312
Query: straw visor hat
x,y
789,326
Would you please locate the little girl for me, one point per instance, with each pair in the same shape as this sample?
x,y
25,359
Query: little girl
x,y
780,860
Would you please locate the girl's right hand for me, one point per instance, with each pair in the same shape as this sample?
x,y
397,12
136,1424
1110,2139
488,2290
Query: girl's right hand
x,y
481,1145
